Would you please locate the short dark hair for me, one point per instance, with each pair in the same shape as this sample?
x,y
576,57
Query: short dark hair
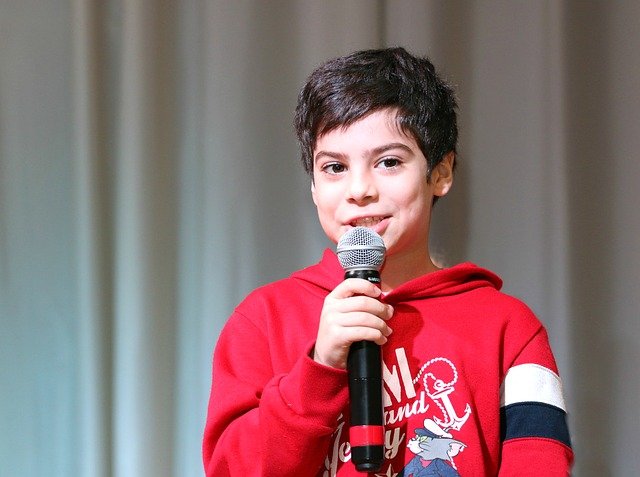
x,y
346,89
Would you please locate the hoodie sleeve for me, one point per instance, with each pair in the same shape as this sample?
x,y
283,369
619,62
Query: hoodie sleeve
x,y
263,424
534,433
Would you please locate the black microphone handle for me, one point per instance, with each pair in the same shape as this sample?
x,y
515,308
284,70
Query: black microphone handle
x,y
364,368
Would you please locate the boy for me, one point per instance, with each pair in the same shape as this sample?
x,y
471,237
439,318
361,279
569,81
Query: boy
x,y
470,383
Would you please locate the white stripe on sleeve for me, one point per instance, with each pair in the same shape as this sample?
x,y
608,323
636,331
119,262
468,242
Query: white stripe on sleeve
x,y
531,383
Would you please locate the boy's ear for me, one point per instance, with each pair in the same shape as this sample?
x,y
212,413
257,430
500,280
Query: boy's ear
x,y
442,175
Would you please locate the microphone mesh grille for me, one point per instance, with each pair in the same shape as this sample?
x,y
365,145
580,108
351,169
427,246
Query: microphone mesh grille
x,y
361,248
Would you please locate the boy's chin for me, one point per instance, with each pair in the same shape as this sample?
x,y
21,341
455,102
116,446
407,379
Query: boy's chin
x,y
378,227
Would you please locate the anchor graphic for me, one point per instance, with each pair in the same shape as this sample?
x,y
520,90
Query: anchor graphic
x,y
440,395
452,421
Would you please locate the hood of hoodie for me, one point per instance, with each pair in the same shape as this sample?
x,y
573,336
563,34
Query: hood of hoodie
x,y
328,273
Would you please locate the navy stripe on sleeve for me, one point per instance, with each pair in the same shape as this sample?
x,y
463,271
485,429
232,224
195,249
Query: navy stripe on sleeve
x,y
534,419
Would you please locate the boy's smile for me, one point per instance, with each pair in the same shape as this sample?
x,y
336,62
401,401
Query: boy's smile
x,y
374,175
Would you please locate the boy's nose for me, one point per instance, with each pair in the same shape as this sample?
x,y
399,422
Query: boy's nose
x,y
361,188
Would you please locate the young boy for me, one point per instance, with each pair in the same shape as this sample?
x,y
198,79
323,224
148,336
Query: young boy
x,y
470,384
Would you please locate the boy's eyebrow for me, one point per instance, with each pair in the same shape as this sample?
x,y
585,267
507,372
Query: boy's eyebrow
x,y
388,147
333,155
373,152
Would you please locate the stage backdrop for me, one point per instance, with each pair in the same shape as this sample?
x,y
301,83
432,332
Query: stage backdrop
x,y
149,179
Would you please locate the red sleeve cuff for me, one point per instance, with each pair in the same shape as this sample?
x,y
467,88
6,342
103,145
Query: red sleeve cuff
x,y
315,391
532,457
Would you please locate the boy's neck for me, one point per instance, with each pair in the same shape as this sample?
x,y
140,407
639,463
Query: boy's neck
x,y
398,270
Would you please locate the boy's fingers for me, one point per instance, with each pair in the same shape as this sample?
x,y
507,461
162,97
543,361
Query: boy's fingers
x,y
362,304
356,286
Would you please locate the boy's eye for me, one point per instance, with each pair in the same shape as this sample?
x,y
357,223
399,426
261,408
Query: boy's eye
x,y
389,163
334,168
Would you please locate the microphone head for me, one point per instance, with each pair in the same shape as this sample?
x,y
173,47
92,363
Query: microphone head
x,y
360,248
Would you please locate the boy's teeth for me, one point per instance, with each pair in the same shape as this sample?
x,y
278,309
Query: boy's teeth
x,y
367,222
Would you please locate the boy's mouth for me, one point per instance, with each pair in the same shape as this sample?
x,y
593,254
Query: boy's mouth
x,y
366,221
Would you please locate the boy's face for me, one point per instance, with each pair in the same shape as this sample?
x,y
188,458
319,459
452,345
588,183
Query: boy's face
x,y
372,174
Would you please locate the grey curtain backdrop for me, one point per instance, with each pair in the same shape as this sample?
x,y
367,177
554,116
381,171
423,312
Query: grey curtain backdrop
x,y
149,179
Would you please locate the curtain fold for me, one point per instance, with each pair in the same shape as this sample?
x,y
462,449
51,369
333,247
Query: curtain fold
x,y
94,281
149,179
145,245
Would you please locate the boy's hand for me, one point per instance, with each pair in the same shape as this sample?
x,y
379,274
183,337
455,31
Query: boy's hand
x,y
351,312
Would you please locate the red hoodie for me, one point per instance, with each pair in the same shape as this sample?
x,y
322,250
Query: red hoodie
x,y
470,387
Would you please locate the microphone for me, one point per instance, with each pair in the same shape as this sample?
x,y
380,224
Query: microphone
x,y
361,253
